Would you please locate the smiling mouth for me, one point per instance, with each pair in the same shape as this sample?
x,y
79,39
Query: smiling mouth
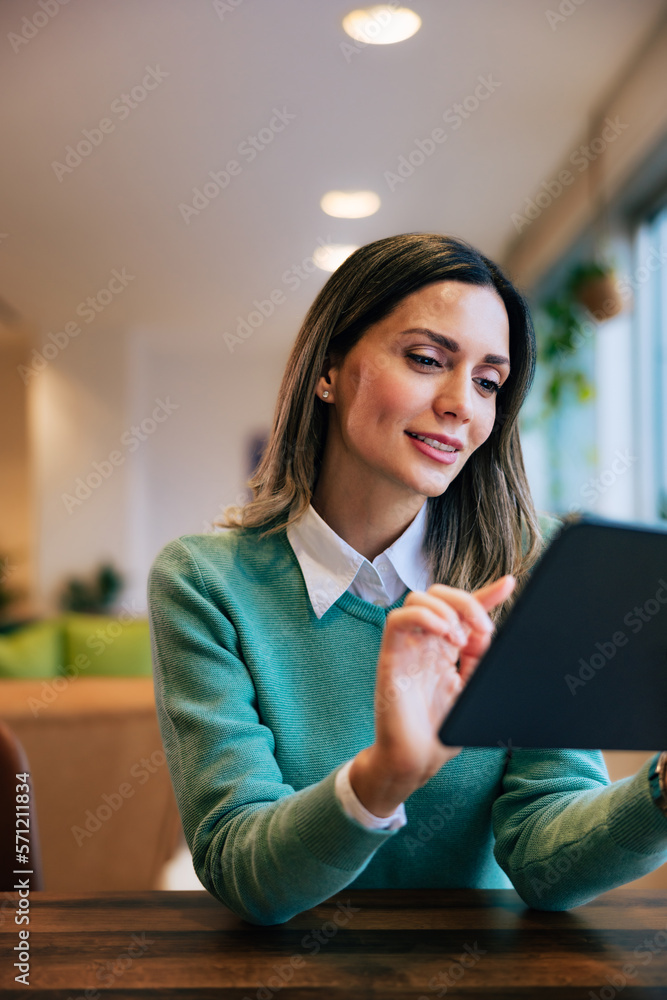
x,y
432,442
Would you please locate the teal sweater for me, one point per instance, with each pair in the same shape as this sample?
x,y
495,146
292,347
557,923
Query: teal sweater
x,y
260,703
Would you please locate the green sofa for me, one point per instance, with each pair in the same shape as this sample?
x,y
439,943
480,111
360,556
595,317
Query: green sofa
x,y
75,644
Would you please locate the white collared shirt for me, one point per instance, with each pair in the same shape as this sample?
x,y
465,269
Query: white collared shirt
x,y
330,567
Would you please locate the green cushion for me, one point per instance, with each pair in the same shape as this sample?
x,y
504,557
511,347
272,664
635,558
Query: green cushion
x,y
33,651
99,645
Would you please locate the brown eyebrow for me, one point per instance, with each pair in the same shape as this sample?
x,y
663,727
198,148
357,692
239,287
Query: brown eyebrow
x,y
452,345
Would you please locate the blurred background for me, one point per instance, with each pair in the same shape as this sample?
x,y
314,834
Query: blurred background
x,y
162,235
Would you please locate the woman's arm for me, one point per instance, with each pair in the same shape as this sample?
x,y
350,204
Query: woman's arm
x,y
263,849
565,834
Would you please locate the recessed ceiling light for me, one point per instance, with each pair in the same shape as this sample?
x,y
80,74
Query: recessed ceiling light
x,y
350,204
381,24
331,255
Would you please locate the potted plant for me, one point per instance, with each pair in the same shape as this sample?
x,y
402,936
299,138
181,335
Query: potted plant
x,y
95,597
593,284
563,326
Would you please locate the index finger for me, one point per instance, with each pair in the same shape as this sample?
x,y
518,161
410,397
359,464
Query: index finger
x,y
465,604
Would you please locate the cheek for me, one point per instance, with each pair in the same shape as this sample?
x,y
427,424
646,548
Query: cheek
x,y
384,396
484,423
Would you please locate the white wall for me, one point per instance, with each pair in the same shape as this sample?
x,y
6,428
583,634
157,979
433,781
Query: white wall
x,y
198,461
172,474
77,414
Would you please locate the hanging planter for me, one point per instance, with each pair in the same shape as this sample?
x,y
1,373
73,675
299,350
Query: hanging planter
x,y
594,285
564,328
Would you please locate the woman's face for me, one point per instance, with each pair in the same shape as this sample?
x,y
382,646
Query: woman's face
x,y
423,370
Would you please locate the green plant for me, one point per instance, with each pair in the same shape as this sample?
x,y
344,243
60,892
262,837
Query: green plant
x,y
92,597
585,271
562,326
560,332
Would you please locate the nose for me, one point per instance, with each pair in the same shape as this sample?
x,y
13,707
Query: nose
x,y
454,394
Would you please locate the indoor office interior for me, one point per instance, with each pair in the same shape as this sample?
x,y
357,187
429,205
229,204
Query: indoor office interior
x,y
180,180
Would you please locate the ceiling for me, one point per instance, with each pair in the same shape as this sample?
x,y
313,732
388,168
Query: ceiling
x,y
223,71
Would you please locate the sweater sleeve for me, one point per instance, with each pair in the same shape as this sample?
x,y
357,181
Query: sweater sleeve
x,y
565,833
263,849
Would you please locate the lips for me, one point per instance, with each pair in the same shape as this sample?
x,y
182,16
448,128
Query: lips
x,y
434,450
443,438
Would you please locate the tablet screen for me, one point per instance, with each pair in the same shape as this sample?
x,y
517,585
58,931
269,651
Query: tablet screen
x,y
581,659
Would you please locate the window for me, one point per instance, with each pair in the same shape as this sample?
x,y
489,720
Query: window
x,y
649,285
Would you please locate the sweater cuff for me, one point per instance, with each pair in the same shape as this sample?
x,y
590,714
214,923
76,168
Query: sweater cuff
x,y
354,808
635,822
330,834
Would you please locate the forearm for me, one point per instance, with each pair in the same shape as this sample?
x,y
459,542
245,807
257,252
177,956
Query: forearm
x,y
274,860
379,791
597,841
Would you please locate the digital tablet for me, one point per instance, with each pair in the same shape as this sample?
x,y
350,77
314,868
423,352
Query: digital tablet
x,y
580,661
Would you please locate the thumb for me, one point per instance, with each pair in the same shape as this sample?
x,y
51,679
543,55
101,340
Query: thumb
x,y
496,592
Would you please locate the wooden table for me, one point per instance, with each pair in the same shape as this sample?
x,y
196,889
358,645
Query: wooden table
x,y
361,943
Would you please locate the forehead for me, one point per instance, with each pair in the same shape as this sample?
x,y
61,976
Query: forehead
x,y
453,307
451,297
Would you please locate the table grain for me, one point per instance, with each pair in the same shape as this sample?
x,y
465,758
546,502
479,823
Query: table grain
x,y
399,944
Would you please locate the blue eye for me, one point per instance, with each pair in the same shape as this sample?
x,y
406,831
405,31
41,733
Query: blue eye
x,y
422,358
428,362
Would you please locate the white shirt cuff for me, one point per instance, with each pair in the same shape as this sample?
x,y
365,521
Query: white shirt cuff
x,y
353,807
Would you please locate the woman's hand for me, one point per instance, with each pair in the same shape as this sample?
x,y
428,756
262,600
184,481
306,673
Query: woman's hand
x,y
417,683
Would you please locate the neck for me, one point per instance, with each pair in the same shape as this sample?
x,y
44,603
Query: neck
x,y
369,528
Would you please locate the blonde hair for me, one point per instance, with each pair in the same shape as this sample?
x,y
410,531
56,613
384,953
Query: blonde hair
x,y
484,525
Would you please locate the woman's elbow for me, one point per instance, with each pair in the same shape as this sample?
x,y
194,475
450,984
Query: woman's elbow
x,y
540,894
253,908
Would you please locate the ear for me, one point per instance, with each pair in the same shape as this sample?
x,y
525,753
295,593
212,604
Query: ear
x,y
327,381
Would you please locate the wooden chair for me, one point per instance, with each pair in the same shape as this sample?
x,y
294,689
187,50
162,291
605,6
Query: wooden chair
x,y
13,761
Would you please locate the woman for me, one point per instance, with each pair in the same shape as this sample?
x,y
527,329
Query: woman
x,y
306,657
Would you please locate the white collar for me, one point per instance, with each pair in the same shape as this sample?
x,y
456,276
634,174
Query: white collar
x,y
329,565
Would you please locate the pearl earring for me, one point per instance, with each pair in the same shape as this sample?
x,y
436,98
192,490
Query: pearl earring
x,y
325,394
